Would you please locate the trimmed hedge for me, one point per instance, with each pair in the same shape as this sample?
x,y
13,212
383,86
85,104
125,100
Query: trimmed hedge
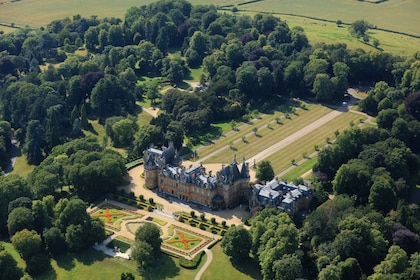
x,y
191,264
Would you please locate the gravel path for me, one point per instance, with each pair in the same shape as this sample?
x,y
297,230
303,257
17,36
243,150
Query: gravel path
x,y
208,261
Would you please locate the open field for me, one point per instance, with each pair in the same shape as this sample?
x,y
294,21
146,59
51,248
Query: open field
x,y
329,33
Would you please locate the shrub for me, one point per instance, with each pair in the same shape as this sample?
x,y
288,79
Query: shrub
x,y
132,194
141,197
202,226
192,213
139,205
222,232
151,201
150,208
224,223
213,220
181,219
202,217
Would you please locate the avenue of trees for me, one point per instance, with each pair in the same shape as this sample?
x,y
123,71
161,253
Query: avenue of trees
x,y
57,80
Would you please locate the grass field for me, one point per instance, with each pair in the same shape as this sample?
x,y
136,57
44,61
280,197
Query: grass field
x,y
222,268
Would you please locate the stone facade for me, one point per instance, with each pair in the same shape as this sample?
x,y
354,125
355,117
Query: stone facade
x,y
163,171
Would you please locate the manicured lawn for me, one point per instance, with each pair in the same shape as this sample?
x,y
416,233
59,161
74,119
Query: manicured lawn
x,y
91,264
282,159
222,268
299,170
265,137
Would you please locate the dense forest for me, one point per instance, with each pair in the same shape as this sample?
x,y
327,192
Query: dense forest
x,y
55,81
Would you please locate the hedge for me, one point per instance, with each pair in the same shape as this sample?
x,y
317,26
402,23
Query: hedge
x,y
191,263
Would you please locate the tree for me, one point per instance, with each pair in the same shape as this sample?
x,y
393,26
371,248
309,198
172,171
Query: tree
x,y
54,240
20,218
331,272
289,267
8,267
358,28
142,252
353,178
265,171
127,276
323,88
405,238
349,269
34,142
27,243
20,202
382,196
123,132
412,104
150,234
395,262
237,243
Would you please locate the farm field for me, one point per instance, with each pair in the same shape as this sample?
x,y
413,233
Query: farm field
x,y
404,16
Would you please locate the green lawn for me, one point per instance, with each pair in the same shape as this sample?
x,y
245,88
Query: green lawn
x,y
22,168
265,137
91,264
282,159
222,268
299,170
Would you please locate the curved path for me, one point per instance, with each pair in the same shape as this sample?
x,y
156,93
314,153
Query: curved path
x,y
208,261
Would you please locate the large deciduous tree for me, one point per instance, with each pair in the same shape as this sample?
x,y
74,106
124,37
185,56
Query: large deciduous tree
x,y
150,234
236,243
265,171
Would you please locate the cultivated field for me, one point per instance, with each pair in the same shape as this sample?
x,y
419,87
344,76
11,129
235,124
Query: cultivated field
x,y
399,15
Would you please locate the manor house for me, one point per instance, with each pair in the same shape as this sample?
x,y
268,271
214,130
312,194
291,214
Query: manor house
x,y
163,170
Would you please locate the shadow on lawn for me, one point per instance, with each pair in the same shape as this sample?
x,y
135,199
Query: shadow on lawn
x,y
87,257
165,268
248,267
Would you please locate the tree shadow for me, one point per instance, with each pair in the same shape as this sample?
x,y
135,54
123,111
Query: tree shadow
x,y
184,85
163,269
90,256
65,261
248,267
